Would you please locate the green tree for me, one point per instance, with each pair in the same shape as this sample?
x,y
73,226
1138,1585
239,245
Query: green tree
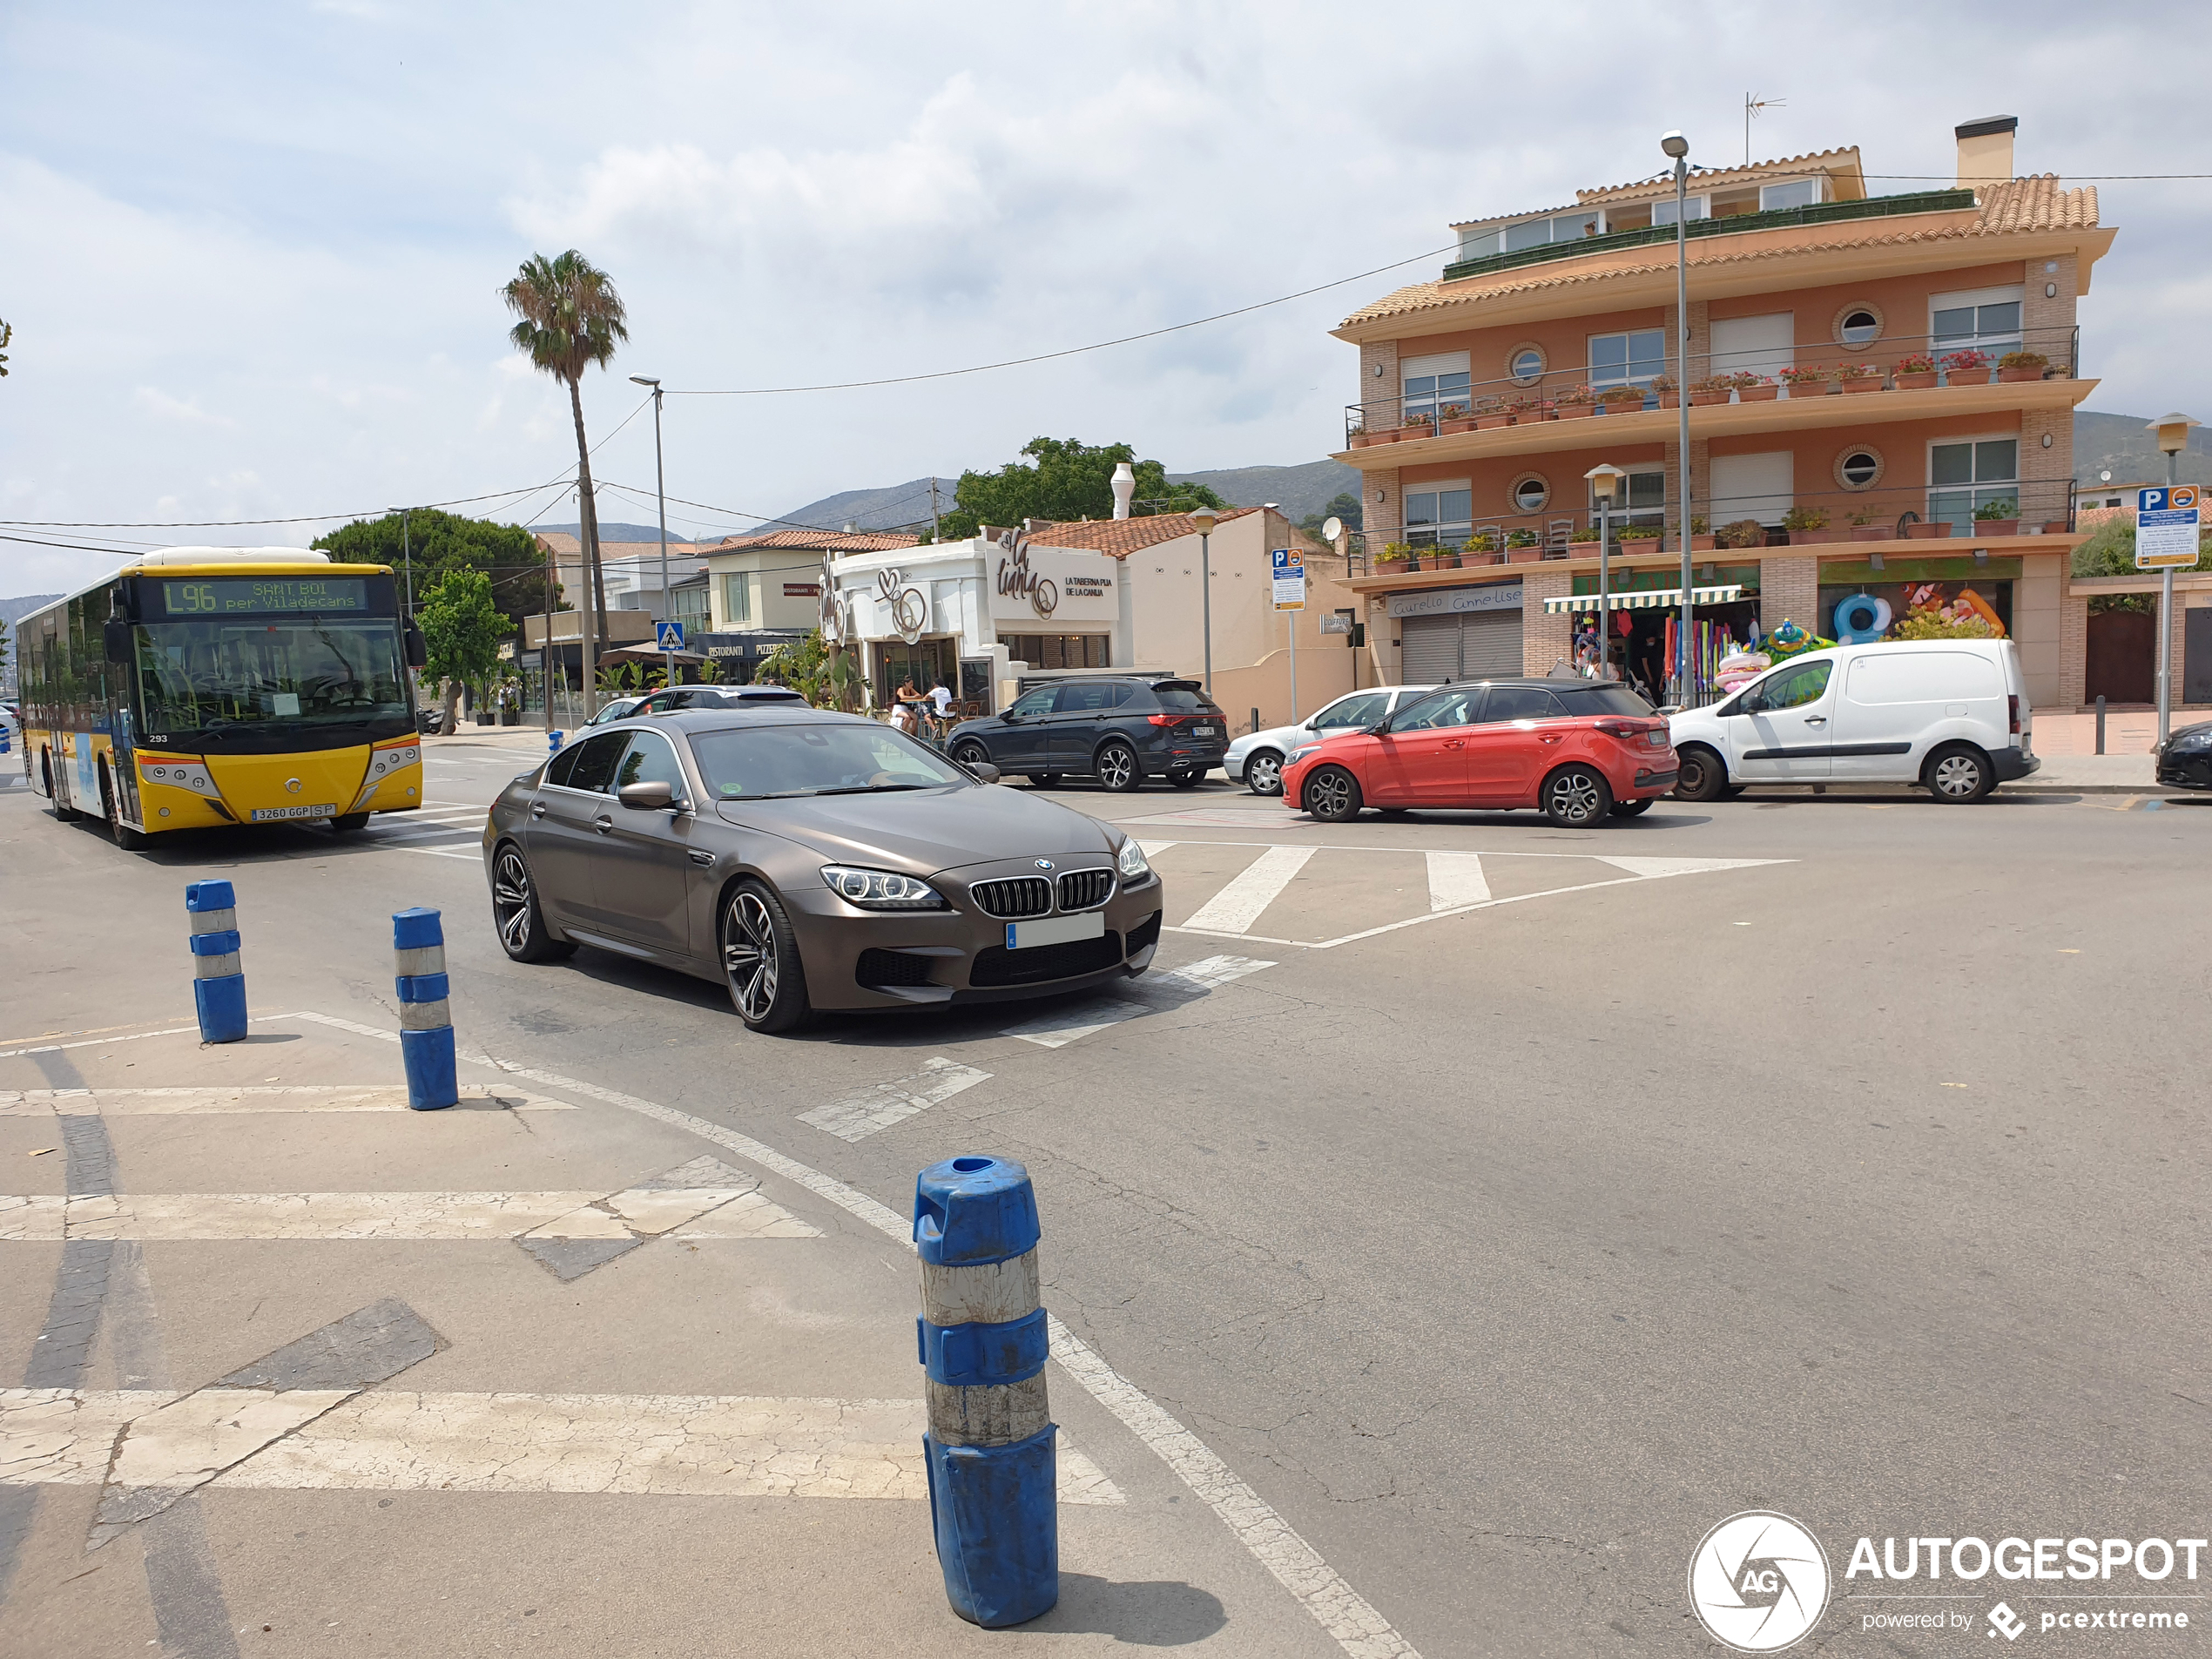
x,y
462,629
1064,479
827,678
1345,506
2110,549
572,318
437,542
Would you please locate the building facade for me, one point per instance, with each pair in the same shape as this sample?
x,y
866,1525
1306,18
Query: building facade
x,y
1881,392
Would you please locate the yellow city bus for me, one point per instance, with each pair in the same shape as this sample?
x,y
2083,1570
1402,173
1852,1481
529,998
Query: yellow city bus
x,y
203,687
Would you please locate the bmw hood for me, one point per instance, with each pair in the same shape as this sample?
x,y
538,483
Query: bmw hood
x,y
926,831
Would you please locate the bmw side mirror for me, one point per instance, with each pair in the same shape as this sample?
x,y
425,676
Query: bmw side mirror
x,y
985,771
116,640
655,796
418,649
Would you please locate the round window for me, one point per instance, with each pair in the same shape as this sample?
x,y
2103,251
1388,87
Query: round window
x,y
1859,467
1530,492
1525,363
1859,323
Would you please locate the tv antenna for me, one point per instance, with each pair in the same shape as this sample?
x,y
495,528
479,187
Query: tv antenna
x,y
1752,105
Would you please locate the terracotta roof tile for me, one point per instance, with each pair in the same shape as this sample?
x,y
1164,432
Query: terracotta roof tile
x,y
1704,179
818,541
2037,203
1119,537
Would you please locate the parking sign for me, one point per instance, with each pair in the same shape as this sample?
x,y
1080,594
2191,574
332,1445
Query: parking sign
x,y
2166,527
668,636
1287,565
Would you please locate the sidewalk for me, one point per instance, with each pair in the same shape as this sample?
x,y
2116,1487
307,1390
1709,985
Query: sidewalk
x,y
559,1367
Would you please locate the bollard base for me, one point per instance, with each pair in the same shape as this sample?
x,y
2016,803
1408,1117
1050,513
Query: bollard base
x,y
222,1006
996,1510
431,1084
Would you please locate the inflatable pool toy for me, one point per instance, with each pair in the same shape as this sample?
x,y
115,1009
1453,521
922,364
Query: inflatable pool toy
x,y
1790,640
1862,619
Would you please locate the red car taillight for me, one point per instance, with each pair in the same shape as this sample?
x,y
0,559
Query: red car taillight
x,y
1627,731
2013,709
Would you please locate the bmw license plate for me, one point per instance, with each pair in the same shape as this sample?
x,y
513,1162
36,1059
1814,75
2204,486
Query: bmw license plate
x,y
1055,930
270,814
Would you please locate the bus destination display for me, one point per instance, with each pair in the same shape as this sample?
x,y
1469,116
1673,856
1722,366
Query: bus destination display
x,y
239,595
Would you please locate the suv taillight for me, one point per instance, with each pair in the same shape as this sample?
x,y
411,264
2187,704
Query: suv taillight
x,y
1164,719
2013,709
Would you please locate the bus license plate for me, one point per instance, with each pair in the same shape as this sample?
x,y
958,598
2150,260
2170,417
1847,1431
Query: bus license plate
x,y
269,814
1055,930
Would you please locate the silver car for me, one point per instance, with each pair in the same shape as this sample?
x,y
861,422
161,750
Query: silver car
x,y
1258,759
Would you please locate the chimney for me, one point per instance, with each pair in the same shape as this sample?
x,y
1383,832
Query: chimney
x,y
1124,486
1985,151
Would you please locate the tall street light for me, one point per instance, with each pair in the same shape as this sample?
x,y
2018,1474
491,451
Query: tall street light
x,y
1604,480
1205,519
660,484
2172,437
1677,150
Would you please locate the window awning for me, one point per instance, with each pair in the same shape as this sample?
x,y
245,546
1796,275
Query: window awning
x,y
1648,599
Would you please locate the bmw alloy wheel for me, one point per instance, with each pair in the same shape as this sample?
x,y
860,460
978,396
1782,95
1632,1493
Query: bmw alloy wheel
x,y
750,956
511,902
1264,772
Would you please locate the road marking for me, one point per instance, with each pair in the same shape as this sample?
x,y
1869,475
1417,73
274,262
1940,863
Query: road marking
x,y
139,1036
1225,818
1456,879
1183,984
880,1105
172,1103
1682,866
439,853
1237,906
1358,1629
402,1441
1153,849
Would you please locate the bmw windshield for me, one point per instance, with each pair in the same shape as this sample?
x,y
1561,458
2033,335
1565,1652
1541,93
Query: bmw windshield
x,y
778,762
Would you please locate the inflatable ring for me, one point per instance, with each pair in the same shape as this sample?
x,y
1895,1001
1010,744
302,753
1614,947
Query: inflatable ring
x,y
1862,619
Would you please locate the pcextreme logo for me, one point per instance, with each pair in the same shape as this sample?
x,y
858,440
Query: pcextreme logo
x,y
1758,1581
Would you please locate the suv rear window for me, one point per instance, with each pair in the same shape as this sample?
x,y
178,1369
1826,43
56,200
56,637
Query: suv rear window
x,y
1176,699
1604,699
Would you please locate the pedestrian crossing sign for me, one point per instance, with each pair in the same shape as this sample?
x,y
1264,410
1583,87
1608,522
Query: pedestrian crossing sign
x,y
668,636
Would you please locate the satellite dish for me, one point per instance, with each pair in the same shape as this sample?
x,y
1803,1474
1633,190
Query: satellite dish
x,y
1331,529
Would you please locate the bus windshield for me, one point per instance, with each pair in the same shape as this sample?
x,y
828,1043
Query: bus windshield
x,y
211,672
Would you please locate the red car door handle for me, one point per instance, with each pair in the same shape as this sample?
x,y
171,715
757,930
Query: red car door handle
x,y
1548,737
1455,743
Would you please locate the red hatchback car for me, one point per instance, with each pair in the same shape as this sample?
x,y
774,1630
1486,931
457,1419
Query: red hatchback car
x,y
1581,751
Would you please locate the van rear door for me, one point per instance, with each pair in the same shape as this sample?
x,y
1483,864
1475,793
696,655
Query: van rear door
x,y
1899,704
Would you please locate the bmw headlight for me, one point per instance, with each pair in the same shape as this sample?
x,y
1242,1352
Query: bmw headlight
x,y
1131,863
881,889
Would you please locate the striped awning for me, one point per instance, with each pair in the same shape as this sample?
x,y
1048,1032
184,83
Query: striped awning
x,y
1648,599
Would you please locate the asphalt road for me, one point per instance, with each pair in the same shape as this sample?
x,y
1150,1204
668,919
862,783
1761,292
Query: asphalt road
x,y
1504,1252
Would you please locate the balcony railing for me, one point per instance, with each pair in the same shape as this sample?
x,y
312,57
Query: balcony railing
x,y
1944,516
1902,362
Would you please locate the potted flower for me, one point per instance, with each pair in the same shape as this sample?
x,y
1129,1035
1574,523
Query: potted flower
x,y
1586,534
2022,366
1441,558
1358,438
1745,532
1481,550
1701,538
1968,368
1573,402
1998,517
1916,372
1752,388
1637,533
1864,527
1938,530
1528,411
1453,417
1492,413
1521,547
1859,377
1624,399
1417,425
1395,557
1670,394
1808,527
1808,380
1714,389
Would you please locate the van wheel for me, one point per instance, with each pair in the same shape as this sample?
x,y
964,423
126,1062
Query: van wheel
x,y
1958,773
1703,775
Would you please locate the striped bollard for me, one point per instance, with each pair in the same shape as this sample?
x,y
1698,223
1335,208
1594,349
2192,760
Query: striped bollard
x,y
426,1022
218,980
993,1496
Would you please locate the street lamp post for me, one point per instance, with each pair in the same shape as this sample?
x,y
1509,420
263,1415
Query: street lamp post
x,y
2172,437
660,486
1677,151
1603,481
1205,519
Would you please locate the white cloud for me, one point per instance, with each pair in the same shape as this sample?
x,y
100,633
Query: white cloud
x,y
160,405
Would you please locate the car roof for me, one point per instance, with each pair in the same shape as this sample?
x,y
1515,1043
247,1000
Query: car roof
x,y
689,720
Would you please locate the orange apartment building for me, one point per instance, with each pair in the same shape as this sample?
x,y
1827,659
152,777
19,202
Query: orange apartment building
x,y
1929,476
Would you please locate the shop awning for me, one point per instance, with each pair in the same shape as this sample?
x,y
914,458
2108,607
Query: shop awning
x,y
1648,599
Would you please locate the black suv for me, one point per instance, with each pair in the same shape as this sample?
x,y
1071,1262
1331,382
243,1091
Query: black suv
x,y
1117,731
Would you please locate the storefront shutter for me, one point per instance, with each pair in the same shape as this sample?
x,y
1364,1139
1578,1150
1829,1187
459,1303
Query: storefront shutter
x,y
1431,654
1490,645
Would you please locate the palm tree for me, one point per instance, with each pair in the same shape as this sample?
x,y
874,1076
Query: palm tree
x,y
571,318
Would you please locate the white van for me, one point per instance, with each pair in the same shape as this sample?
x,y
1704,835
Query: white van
x,y
1950,715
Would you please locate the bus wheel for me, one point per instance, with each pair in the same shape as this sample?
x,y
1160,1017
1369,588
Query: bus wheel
x,y
62,812
126,838
346,823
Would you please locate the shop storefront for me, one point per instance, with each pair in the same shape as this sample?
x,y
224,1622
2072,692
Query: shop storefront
x,y
1646,620
734,656
1909,598
1448,634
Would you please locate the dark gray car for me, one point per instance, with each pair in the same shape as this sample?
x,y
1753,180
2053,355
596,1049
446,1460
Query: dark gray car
x,y
811,860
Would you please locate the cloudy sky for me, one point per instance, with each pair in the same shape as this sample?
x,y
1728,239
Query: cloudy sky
x,y
253,253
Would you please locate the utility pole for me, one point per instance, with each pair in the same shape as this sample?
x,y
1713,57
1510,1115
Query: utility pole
x,y
545,657
660,488
1676,150
936,529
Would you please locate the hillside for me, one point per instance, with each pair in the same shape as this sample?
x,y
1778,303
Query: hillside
x,y
2119,444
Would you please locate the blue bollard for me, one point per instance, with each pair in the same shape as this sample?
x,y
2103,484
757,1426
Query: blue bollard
x,y
218,981
426,1021
553,741
994,1495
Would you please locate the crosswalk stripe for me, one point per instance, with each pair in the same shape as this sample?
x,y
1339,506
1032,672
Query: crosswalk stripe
x,y
1682,866
878,1106
1456,879
402,1441
173,1102
1142,996
1153,849
1236,907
